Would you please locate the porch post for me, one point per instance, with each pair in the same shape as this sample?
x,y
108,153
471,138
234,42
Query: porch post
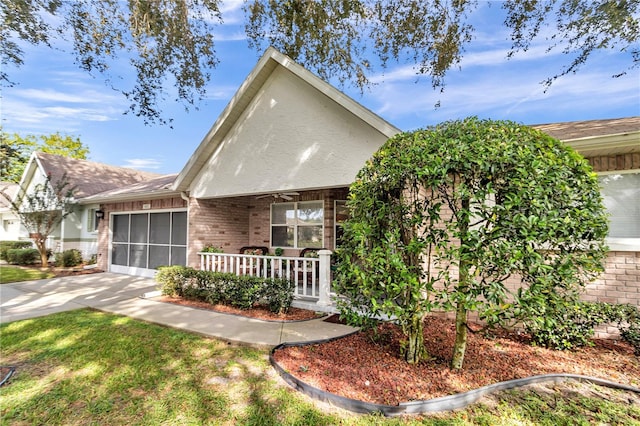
x,y
325,277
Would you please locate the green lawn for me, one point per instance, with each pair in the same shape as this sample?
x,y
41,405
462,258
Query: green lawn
x,y
88,367
14,274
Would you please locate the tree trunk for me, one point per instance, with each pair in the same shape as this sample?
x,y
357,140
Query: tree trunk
x,y
415,351
460,345
41,245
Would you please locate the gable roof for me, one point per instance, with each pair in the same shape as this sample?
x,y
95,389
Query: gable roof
x,y
597,137
88,177
264,69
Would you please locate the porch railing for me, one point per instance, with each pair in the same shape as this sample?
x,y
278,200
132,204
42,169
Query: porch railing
x,y
311,276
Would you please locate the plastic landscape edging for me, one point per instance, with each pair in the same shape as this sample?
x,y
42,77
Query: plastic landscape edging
x,y
8,375
444,403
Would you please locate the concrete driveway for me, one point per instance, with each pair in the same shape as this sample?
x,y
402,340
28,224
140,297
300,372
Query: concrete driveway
x,y
121,294
32,299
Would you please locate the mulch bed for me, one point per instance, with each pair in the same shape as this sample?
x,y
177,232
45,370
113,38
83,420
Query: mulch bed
x,y
258,312
68,272
367,366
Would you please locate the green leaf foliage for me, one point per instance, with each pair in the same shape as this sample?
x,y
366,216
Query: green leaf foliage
x,y
442,217
15,151
228,289
170,45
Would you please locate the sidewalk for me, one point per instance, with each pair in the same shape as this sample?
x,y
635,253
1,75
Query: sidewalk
x,y
122,294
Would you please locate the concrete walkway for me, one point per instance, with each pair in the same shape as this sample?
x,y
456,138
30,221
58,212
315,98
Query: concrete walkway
x,y
122,294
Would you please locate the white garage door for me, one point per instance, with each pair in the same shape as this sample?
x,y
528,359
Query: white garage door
x,y
141,242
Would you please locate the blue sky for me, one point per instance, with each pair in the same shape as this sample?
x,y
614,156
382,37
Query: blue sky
x,y
52,95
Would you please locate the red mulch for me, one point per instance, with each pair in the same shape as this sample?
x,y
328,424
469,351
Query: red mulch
x,y
369,368
258,312
67,272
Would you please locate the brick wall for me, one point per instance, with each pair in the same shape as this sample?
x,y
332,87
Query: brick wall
x,y
222,222
620,282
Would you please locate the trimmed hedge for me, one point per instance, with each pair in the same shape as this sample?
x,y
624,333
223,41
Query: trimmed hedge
x,y
228,289
26,256
5,246
68,258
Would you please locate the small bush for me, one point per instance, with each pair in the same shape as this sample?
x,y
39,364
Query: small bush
x,y
215,287
26,256
212,249
172,279
278,295
68,258
9,245
571,325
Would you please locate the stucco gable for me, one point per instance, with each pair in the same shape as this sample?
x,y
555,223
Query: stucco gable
x,y
285,129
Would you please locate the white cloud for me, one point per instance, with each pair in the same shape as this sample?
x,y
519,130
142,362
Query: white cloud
x,y
84,96
515,95
221,92
232,12
142,163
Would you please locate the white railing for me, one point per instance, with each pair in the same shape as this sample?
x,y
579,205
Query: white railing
x,y
311,276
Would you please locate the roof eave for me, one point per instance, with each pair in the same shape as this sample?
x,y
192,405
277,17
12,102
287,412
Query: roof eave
x,y
151,195
620,143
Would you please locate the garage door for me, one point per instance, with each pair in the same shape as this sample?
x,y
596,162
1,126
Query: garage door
x,y
141,242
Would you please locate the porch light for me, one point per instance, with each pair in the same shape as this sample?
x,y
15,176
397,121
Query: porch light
x,y
99,214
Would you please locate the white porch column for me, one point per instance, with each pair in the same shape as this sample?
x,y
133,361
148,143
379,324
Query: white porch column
x,y
325,277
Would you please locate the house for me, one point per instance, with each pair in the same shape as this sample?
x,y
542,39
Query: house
x,y
273,174
274,170
79,229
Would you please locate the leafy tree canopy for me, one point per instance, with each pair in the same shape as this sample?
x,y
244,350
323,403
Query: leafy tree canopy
x,y
171,43
15,151
441,218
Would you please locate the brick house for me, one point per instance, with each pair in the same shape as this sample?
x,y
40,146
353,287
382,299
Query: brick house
x,y
273,174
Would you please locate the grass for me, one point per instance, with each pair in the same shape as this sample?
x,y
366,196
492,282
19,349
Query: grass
x,y
14,274
88,367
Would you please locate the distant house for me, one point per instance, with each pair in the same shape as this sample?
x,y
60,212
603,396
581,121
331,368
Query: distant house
x,y
78,230
10,225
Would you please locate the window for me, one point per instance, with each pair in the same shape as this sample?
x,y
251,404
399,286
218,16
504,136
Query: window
x,y
92,220
341,213
621,194
297,225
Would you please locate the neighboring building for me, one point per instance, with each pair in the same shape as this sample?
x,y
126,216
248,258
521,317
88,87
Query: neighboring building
x,y
79,229
10,228
613,150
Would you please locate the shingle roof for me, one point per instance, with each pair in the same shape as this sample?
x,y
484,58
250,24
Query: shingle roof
x,y
89,177
10,189
158,186
582,129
